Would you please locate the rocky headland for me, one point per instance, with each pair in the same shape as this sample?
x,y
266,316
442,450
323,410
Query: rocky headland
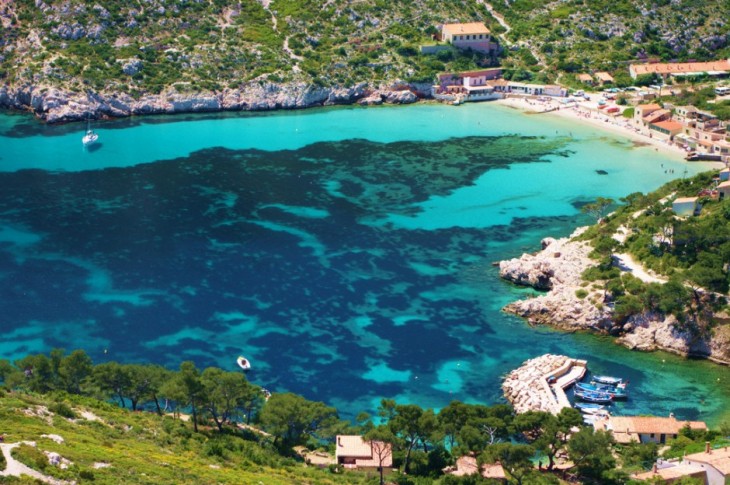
x,y
54,105
571,304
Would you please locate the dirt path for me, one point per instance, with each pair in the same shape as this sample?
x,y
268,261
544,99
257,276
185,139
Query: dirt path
x,y
503,37
14,468
625,262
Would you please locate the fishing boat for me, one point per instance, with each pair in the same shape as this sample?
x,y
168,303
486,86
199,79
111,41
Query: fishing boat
x,y
90,137
243,363
593,396
589,407
616,392
611,381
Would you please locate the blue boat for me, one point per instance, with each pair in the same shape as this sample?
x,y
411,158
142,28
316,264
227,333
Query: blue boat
x,y
593,396
611,381
616,392
588,407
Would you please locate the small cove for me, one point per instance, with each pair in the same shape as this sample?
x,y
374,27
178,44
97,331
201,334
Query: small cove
x,y
347,252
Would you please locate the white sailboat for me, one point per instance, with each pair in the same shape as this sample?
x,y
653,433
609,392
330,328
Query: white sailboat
x,y
90,136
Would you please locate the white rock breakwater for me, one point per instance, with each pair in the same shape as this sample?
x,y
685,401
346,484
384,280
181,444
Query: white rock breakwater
x,y
527,388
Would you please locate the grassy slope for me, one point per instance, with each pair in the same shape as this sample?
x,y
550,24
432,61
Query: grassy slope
x,y
145,448
203,45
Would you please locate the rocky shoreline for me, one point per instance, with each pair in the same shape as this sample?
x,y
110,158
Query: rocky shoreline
x,y
570,304
54,105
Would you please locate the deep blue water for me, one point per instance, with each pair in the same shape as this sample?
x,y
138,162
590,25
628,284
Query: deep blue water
x,y
346,252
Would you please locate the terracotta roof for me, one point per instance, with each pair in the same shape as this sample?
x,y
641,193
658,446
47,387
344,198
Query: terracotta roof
x,y
604,76
724,185
669,125
655,115
586,78
467,465
353,446
650,424
681,67
466,29
682,200
645,107
718,459
672,472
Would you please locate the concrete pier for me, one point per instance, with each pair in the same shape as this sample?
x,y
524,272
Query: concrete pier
x,y
540,383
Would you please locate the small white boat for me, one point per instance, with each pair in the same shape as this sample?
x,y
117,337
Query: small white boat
x,y
90,137
243,363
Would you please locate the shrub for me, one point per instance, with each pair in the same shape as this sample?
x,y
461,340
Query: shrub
x,y
581,293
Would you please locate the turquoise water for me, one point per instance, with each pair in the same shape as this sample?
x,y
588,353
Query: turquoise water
x,y
347,252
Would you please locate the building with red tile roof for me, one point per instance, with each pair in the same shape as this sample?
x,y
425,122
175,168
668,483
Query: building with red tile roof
x,y
680,68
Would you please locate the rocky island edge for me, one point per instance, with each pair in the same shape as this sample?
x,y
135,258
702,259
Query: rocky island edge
x,y
570,305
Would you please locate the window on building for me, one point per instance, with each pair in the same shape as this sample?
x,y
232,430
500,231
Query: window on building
x,y
651,435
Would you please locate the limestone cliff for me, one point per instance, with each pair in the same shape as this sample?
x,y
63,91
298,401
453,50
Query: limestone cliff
x,y
53,105
570,304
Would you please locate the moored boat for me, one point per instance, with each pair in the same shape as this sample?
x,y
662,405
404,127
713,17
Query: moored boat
x,y
589,408
617,392
610,380
592,396
90,137
243,363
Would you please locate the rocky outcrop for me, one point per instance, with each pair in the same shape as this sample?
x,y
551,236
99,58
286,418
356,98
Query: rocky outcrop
x,y
557,268
526,388
570,304
54,105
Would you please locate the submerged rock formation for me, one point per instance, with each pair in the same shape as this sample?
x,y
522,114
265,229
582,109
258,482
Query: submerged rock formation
x,y
571,304
54,105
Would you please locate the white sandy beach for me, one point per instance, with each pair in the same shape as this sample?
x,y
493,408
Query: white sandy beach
x,y
586,113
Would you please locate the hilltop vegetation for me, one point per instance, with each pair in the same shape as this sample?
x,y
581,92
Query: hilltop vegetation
x,y
690,253
198,45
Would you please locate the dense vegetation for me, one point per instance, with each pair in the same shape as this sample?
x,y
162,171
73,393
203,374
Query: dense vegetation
x,y
92,408
195,45
692,253
201,46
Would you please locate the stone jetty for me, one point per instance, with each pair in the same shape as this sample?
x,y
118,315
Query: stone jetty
x,y
539,383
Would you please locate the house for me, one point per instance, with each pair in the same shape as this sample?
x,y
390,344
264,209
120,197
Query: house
x,y
473,35
467,465
725,174
715,68
354,452
470,85
685,206
585,78
671,471
642,111
715,462
666,129
647,429
604,78
724,189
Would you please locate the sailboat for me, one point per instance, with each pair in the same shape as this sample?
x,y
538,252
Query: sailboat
x,y
90,136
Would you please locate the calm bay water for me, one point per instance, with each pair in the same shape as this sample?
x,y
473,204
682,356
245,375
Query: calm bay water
x,y
347,252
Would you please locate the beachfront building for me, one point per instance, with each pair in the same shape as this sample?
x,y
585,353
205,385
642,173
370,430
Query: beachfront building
x,y
467,86
530,89
352,451
723,190
646,429
716,464
472,35
585,78
604,78
642,111
685,206
675,69
467,465
671,471
724,174
666,129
